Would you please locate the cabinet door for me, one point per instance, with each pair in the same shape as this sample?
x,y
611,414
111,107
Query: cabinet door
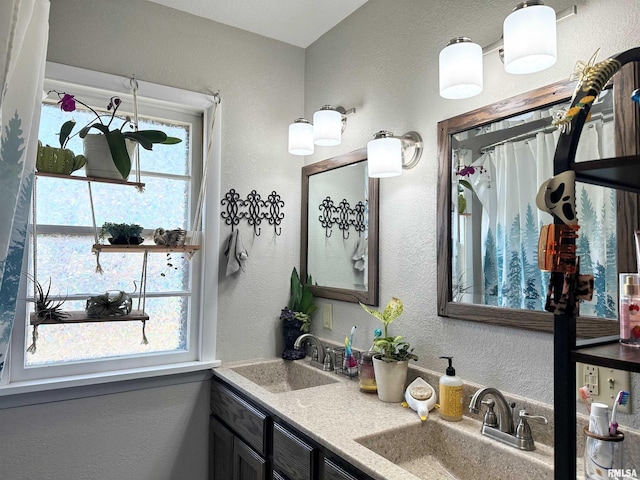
x,y
292,456
220,451
244,419
247,464
333,471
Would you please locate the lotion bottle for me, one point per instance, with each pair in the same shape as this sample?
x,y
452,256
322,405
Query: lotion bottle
x,y
451,406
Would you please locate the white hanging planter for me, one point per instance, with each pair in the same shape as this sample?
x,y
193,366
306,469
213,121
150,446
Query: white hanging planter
x,y
390,379
99,161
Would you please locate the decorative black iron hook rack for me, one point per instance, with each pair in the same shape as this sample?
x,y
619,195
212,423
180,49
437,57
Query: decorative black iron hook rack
x,y
343,216
254,209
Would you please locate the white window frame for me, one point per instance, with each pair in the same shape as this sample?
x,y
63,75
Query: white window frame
x,y
14,380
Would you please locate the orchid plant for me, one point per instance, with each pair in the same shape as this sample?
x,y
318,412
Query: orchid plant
x,y
115,137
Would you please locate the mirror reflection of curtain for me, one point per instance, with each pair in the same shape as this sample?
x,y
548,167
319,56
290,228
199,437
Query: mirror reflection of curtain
x,y
509,274
23,42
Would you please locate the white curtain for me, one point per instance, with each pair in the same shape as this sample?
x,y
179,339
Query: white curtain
x,y
510,227
24,30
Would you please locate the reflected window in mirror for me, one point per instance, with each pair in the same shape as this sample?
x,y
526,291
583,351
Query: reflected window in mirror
x,y
491,164
340,228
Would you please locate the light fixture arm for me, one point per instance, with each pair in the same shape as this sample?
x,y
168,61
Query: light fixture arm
x,y
343,113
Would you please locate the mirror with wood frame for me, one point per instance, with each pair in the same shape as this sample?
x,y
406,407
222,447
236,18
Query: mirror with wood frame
x,y
339,229
491,162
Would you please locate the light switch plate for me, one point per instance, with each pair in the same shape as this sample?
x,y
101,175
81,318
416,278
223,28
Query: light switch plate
x,y
327,316
604,384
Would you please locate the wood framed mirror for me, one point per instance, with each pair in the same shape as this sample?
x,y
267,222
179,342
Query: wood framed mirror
x,y
339,229
468,249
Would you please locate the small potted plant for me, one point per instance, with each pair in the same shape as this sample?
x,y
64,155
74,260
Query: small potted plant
x,y
391,363
296,316
121,233
118,143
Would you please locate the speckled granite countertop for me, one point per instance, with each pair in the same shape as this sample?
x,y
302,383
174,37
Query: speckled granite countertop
x,y
341,418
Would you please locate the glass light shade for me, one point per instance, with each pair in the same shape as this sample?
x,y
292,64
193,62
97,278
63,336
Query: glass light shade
x,y
327,128
384,157
530,39
301,138
460,69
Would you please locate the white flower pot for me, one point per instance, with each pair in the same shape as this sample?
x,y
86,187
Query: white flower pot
x,y
391,378
99,161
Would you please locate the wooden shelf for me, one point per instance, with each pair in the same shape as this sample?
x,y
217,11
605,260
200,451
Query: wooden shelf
x,y
622,173
142,248
80,316
609,353
90,179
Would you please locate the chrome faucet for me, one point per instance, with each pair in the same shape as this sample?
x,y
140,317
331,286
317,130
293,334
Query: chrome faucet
x,y
505,418
318,357
500,426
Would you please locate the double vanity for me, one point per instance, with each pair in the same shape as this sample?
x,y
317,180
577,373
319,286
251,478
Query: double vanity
x,y
288,420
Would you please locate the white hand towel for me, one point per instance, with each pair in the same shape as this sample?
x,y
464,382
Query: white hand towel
x,y
236,253
359,254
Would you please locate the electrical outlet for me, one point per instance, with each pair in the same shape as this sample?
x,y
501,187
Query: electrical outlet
x,y
604,384
327,316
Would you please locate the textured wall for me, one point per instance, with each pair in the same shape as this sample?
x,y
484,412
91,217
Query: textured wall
x,y
383,60
154,434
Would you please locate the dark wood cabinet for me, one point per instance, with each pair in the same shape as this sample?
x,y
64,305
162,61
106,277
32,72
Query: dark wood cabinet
x,y
220,451
249,442
293,456
247,464
332,471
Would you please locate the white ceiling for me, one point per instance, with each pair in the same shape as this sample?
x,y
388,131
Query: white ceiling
x,y
298,22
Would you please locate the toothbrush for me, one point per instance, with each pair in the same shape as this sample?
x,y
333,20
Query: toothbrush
x,y
585,394
621,399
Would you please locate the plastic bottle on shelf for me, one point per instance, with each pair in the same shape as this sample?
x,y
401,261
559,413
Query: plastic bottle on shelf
x,y
629,306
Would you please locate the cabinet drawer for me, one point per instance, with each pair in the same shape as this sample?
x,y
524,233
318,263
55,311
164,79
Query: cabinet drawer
x,y
247,421
335,472
292,456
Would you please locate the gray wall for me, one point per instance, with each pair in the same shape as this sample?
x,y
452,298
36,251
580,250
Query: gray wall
x,y
151,434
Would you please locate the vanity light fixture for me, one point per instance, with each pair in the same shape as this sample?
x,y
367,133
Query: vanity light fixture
x,y
529,34
328,124
529,46
387,154
301,137
460,69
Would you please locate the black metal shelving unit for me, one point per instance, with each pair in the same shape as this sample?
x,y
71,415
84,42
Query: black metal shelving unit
x,y
621,173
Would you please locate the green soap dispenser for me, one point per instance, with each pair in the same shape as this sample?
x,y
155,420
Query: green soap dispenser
x,y
451,406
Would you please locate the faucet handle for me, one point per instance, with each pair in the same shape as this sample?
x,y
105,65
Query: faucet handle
x,y
524,416
523,430
490,418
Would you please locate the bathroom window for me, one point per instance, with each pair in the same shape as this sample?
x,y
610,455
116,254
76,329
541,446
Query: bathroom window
x,y
67,267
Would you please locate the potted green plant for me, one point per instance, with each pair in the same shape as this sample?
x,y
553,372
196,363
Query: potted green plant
x,y
296,316
118,142
121,233
391,363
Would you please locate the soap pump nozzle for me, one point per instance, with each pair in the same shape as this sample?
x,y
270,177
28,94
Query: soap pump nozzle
x,y
451,372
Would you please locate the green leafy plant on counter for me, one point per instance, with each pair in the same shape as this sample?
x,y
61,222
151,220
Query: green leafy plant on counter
x,y
301,304
391,348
